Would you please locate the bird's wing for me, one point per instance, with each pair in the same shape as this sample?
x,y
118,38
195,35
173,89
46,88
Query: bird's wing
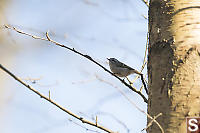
x,y
123,65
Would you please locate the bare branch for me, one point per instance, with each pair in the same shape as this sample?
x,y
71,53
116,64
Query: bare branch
x,y
153,119
33,80
144,84
49,95
143,65
115,118
79,53
146,2
151,122
96,119
54,103
144,60
87,129
145,17
95,62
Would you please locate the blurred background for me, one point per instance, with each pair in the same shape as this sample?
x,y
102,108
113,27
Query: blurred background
x,y
101,29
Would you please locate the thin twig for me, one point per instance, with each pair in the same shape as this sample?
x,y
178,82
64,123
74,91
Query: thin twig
x,y
151,122
144,84
129,80
153,119
145,17
143,65
54,103
79,53
141,88
146,2
96,120
49,95
33,80
115,118
144,60
87,129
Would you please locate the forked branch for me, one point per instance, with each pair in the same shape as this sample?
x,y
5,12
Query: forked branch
x,y
81,54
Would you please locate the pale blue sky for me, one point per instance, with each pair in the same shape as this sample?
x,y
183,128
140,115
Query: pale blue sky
x,y
101,29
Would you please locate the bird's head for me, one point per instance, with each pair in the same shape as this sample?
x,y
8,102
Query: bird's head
x,y
112,60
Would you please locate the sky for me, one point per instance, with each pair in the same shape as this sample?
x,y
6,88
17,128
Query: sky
x,y
101,29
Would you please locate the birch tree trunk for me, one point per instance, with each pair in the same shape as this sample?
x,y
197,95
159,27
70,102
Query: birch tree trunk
x,y
174,63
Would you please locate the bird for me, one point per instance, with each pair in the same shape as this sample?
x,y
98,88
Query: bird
x,y
120,69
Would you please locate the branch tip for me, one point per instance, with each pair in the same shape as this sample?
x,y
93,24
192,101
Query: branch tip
x,y
49,95
96,120
47,35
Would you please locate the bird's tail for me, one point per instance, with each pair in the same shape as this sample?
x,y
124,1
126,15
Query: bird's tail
x,y
135,71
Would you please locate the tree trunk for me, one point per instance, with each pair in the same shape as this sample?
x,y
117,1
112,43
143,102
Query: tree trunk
x,y
174,63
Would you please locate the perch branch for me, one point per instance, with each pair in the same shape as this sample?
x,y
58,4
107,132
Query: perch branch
x,y
79,53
